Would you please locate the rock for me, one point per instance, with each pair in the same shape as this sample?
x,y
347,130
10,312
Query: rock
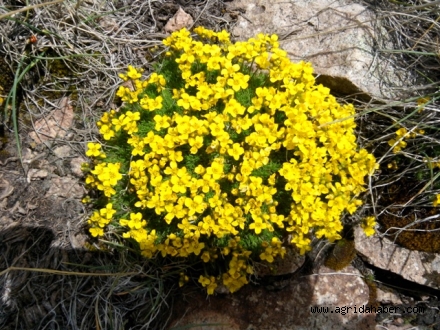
x,y
179,21
55,124
109,24
419,267
63,151
387,297
335,36
75,166
66,187
6,188
29,156
290,308
36,174
291,262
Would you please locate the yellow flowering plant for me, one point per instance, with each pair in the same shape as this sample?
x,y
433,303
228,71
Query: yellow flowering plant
x,y
222,153
402,133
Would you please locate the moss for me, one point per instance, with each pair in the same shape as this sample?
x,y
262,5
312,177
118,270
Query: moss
x,y
372,292
424,236
341,255
4,155
426,240
6,82
6,76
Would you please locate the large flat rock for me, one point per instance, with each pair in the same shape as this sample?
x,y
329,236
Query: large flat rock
x,y
420,267
337,37
290,308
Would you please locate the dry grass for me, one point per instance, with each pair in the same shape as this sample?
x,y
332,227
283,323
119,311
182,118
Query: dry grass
x,y
80,49
402,192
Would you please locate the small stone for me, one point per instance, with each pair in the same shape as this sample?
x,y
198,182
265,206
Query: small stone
x,y
36,174
66,187
109,24
62,152
6,189
179,21
75,166
55,124
385,297
222,289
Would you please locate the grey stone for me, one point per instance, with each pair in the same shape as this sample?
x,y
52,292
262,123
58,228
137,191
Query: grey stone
x,y
66,187
387,297
415,266
62,151
75,166
291,262
337,37
290,308
179,21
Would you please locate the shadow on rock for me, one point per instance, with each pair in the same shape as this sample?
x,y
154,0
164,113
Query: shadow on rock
x,y
325,300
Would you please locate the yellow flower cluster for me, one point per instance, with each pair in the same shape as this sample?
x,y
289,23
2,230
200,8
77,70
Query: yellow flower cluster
x,y
368,225
437,200
230,147
421,102
104,177
398,143
100,219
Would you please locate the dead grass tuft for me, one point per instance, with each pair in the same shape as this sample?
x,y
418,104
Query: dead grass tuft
x,y
407,181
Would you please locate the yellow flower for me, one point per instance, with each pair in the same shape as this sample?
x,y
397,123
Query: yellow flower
x,y
437,200
267,255
230,69
238,81
133,73
183,279
234,108
195,143
96,231
204,92
184,101
401,132
209,283
211,159
161,122
93,149
135,222
236,151
216,170
106,132
257,225
195,205
151,104
368,225
205,256
107,212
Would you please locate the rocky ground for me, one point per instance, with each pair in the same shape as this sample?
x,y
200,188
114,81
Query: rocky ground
x,y
53,276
